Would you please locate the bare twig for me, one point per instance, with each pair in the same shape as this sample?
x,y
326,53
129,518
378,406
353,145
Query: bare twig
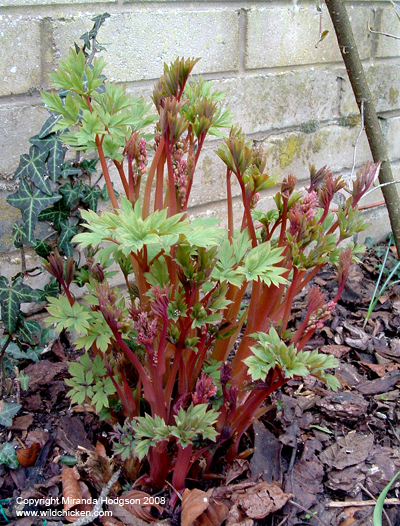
x,y
357,140
382,33
372,497
283,521
97,508
360,503
379,186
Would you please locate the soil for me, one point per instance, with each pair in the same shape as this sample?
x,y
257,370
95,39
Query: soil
x,y
329,454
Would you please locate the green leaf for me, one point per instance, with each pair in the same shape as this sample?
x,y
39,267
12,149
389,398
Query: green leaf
x,y
32,166
70,193
71,317
67,460
31,203
56,159
48,126
7,412
41,248
381,501
11,297
8,456
19,236
56,214
26,329
64,241
260,264
91,196
23,379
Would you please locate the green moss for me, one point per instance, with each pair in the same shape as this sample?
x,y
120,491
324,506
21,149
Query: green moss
x,y
290,148
350,120
393,96
9,216
310,126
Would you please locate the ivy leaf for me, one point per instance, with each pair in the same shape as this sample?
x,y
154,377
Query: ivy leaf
x,y
56,159
26,329
32,165
11,298
31,203
48,126
91,196
19,236
67,170
41,248
23,379
56,214
64,241
7,412
8,454
70,193
50,289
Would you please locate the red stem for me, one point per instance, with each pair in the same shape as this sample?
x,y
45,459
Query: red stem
x,y
150,177
106,173
229,203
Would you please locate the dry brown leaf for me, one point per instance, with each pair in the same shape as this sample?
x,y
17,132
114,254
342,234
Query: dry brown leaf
x,y
128,518
27,456
21,423
76,495
260,500
346,518
237,468
96,468
200,509
194,502
140,505
100,449
110,521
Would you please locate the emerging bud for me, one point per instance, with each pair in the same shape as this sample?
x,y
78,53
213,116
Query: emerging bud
x,y
205,389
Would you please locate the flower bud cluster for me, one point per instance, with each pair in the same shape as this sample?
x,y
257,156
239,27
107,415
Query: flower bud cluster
x,y
205,389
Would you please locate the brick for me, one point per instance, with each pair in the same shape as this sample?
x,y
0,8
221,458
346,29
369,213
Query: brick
x,y
20,3
18,122
387,46
210,178
297,29
330,145
383,81
264,102
139,42
392,138
20,65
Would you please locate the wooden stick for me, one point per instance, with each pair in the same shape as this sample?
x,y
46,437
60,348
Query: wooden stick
x,y
360,503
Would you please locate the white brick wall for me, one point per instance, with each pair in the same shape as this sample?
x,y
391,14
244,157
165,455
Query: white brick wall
x,y
282,89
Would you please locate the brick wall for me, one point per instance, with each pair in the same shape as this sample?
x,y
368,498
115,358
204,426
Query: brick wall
x,y
288,94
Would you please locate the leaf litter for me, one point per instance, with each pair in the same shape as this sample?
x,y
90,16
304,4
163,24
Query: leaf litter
x,y
315,450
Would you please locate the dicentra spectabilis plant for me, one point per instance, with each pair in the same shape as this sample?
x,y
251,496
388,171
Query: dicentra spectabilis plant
x,y
160,363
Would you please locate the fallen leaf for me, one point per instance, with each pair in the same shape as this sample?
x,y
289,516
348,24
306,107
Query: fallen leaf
x,y
380,385
344,406
348,450
96,468
100,449
110,521
199,508
194,502
265,462
21,423
139,503
27,456
76,495
260,500
125,516
236,468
